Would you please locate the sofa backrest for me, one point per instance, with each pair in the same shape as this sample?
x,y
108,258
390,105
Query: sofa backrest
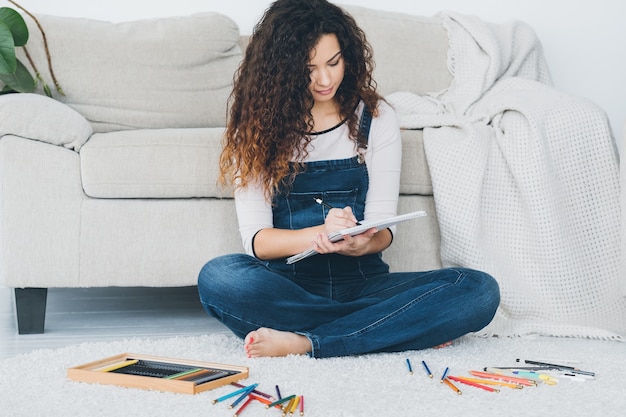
x,y
411,52
177,71
154,73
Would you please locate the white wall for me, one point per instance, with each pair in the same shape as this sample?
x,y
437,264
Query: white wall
x,y
583,40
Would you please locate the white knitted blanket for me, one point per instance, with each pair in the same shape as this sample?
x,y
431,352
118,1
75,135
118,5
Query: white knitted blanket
x,y
526,184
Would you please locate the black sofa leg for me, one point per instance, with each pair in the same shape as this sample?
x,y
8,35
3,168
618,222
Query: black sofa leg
x,y
30,304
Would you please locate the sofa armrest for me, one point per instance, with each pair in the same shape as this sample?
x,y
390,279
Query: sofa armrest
x,y
37,117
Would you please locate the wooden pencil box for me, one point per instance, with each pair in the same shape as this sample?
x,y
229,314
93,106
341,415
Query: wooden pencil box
x,y
158,373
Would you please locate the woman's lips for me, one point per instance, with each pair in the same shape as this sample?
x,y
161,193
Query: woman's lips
x,y
324,92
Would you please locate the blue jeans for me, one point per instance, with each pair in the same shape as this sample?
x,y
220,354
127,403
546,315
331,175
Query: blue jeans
x,y
388,312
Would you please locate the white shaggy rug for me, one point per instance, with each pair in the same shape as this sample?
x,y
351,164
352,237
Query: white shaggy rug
x,y
35,384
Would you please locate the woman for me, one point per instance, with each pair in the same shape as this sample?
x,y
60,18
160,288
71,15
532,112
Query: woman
x,y
306,123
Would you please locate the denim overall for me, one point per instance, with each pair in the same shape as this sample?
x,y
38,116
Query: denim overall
x,y
343,305
340,183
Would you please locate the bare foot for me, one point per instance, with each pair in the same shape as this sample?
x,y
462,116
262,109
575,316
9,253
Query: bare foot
x,y
443,345
270,342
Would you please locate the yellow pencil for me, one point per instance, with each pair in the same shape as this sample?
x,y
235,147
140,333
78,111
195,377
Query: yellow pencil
x,y
294,407
118,365
289,405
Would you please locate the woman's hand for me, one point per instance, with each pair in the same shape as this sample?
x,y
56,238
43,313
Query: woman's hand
x,y
340,219
350,245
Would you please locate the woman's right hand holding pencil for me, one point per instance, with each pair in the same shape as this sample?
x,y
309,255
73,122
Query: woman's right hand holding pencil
x,y
340,219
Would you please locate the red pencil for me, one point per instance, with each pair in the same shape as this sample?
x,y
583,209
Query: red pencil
x,y
506,378
473,384
302,405
244,405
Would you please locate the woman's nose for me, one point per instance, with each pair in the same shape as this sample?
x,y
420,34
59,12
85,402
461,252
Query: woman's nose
x,y
322,78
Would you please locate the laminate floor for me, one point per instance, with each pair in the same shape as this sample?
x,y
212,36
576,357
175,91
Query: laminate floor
x,y
104,314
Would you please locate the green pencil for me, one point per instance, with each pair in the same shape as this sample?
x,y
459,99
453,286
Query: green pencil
x,y
184,373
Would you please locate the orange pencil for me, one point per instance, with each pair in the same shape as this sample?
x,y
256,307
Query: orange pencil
x,y
451,385
264,401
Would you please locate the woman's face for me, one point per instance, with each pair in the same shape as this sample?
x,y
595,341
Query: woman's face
x,y
326,66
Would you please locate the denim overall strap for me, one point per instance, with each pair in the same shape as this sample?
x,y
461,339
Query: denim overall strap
x,y
366,122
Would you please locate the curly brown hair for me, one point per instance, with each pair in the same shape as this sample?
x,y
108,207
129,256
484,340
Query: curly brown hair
x,y
270,105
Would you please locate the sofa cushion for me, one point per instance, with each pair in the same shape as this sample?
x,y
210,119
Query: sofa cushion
x,y
153,163
415,175
184,163
31,116
154,73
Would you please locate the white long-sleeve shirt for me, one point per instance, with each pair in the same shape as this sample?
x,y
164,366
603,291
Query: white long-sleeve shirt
x,y
383,159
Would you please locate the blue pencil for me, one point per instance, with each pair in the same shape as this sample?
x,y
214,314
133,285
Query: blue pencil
x,y
430,374
445,372
232,394
242,396
408,363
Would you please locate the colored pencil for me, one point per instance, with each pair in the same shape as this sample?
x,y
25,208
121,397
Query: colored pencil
x,y
278,402
501,377
445,372
408,364
183,373
243,406
430,374
232,394
289,405
243,395
451,385
262,394
117,366
264,400
511,374
473,384
573,369
294,407
492,382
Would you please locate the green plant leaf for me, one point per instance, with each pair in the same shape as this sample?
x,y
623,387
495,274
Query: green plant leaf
x,y
21,81
6,90
46,89
8,61
16,24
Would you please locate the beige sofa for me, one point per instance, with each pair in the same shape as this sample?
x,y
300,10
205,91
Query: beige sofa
x,y
114,183
623,204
